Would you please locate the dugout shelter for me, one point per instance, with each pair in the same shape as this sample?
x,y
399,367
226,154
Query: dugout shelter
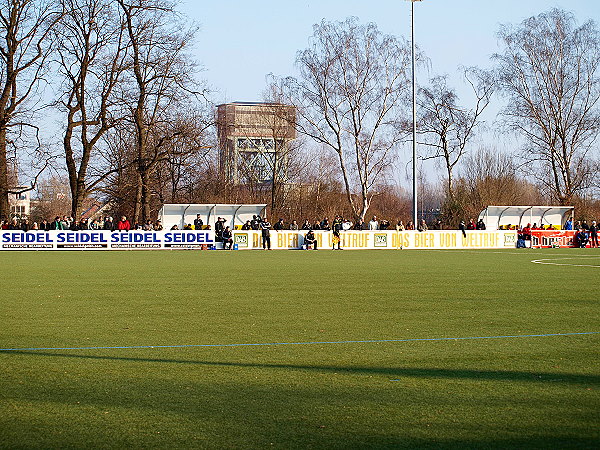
x,y
235,215
500,217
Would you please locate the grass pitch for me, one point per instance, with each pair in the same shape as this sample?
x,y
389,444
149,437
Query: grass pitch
x,y
534,392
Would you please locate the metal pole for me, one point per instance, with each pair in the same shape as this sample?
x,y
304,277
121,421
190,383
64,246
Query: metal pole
x,y
414,116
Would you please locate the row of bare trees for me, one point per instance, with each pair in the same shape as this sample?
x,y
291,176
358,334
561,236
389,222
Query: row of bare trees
x,y
137,128
125,86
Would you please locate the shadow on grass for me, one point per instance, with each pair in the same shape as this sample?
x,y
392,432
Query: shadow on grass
x,y
392,372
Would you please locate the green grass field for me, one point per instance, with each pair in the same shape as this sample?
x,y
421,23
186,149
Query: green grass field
x,y
527,392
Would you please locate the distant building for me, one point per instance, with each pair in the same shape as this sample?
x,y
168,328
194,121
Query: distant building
x,y
254,140
20,204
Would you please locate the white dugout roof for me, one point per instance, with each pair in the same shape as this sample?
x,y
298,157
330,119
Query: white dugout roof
x,y
182,214
496,216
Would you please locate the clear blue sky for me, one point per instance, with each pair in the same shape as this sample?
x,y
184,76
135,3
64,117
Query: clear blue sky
x,y
240,42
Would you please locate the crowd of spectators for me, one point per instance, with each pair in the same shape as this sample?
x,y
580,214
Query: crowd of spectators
x,y
584,233
68,223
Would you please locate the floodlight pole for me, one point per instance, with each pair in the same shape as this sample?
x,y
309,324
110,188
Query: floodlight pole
x,y
414,116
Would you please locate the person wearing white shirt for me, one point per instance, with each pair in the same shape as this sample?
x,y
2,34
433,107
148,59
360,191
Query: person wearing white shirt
x,y
374,224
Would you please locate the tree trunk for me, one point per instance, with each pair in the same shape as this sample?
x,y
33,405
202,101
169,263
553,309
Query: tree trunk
x,y
4,187
137,211
145,197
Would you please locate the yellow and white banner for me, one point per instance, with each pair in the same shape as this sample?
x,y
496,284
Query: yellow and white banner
x,y
390,240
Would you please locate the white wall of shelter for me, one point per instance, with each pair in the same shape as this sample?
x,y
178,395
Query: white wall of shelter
x,y
181,214
496,217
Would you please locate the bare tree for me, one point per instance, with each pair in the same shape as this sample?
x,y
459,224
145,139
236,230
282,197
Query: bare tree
x,y
549,71
448,128
162,81
353,80
90,54
25,27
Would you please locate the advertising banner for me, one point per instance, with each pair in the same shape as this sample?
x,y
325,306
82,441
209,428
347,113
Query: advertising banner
x,y
382,240
552,238
248,240
106,240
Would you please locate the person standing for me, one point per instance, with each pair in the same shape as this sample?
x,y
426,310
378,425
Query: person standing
x,y
594,234
109,224
219,227
462,228
336,229
56,224
123,224
198,222
374,224
265,227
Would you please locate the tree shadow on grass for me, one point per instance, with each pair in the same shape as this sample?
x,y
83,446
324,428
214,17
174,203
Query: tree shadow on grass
x,y
392,372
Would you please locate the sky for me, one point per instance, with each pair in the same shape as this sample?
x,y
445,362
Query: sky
x,y
239,42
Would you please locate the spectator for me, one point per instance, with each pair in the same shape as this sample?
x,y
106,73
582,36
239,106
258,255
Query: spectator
x,y
462,228
400,226
346,225
25,224
56,224
219,227
35,226
526,232
316,226
148,226
265,227
188,227
594,235
255,222
109,224
471,225
422,225
294,225
310,240
279,225
409,225
198,222
384,224
123,224
360,225
306,225
569,224
227,238
158,226
247,225
480,225
374,224
324,225
582,237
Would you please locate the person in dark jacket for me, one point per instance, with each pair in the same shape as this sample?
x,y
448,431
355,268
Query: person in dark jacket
x,y
265,227
336,227
594,234
227,236
310,240
198,222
